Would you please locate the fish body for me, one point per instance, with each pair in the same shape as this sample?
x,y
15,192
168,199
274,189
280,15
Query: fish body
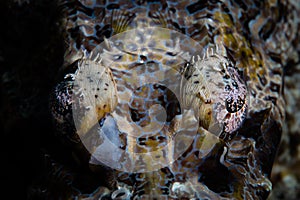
x,y
225,60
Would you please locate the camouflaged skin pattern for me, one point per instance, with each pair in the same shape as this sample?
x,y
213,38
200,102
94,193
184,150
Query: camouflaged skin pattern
x,y
260,38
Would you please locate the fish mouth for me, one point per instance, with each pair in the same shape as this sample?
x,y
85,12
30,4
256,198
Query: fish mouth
x,y
179,190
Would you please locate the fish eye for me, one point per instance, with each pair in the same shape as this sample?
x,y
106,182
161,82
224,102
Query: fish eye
x,y
216,93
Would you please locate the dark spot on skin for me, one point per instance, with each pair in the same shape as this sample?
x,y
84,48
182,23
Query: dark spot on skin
x,y
171,53
101,122
96,96
274,87
196,82
143,58
90,79
187,76
104,106
113,6
235,85
142,141
196,7
97,27
227,88
227,117
117,57
229,100
267,29
161,138
207,101
136,115
226,76
253,92
262,79
98,89
233,106
258,87
105,89
275,57
106,84
173,10
271,98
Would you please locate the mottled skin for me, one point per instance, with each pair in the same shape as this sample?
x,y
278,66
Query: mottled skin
x,y
259,38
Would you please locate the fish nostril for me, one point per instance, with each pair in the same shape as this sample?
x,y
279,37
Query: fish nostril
x,y
143,58
136,115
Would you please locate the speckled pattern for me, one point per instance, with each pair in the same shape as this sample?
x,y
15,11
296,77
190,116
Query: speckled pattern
x,y
260,39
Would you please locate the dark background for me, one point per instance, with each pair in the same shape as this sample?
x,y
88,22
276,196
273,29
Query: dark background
x,y
31,53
